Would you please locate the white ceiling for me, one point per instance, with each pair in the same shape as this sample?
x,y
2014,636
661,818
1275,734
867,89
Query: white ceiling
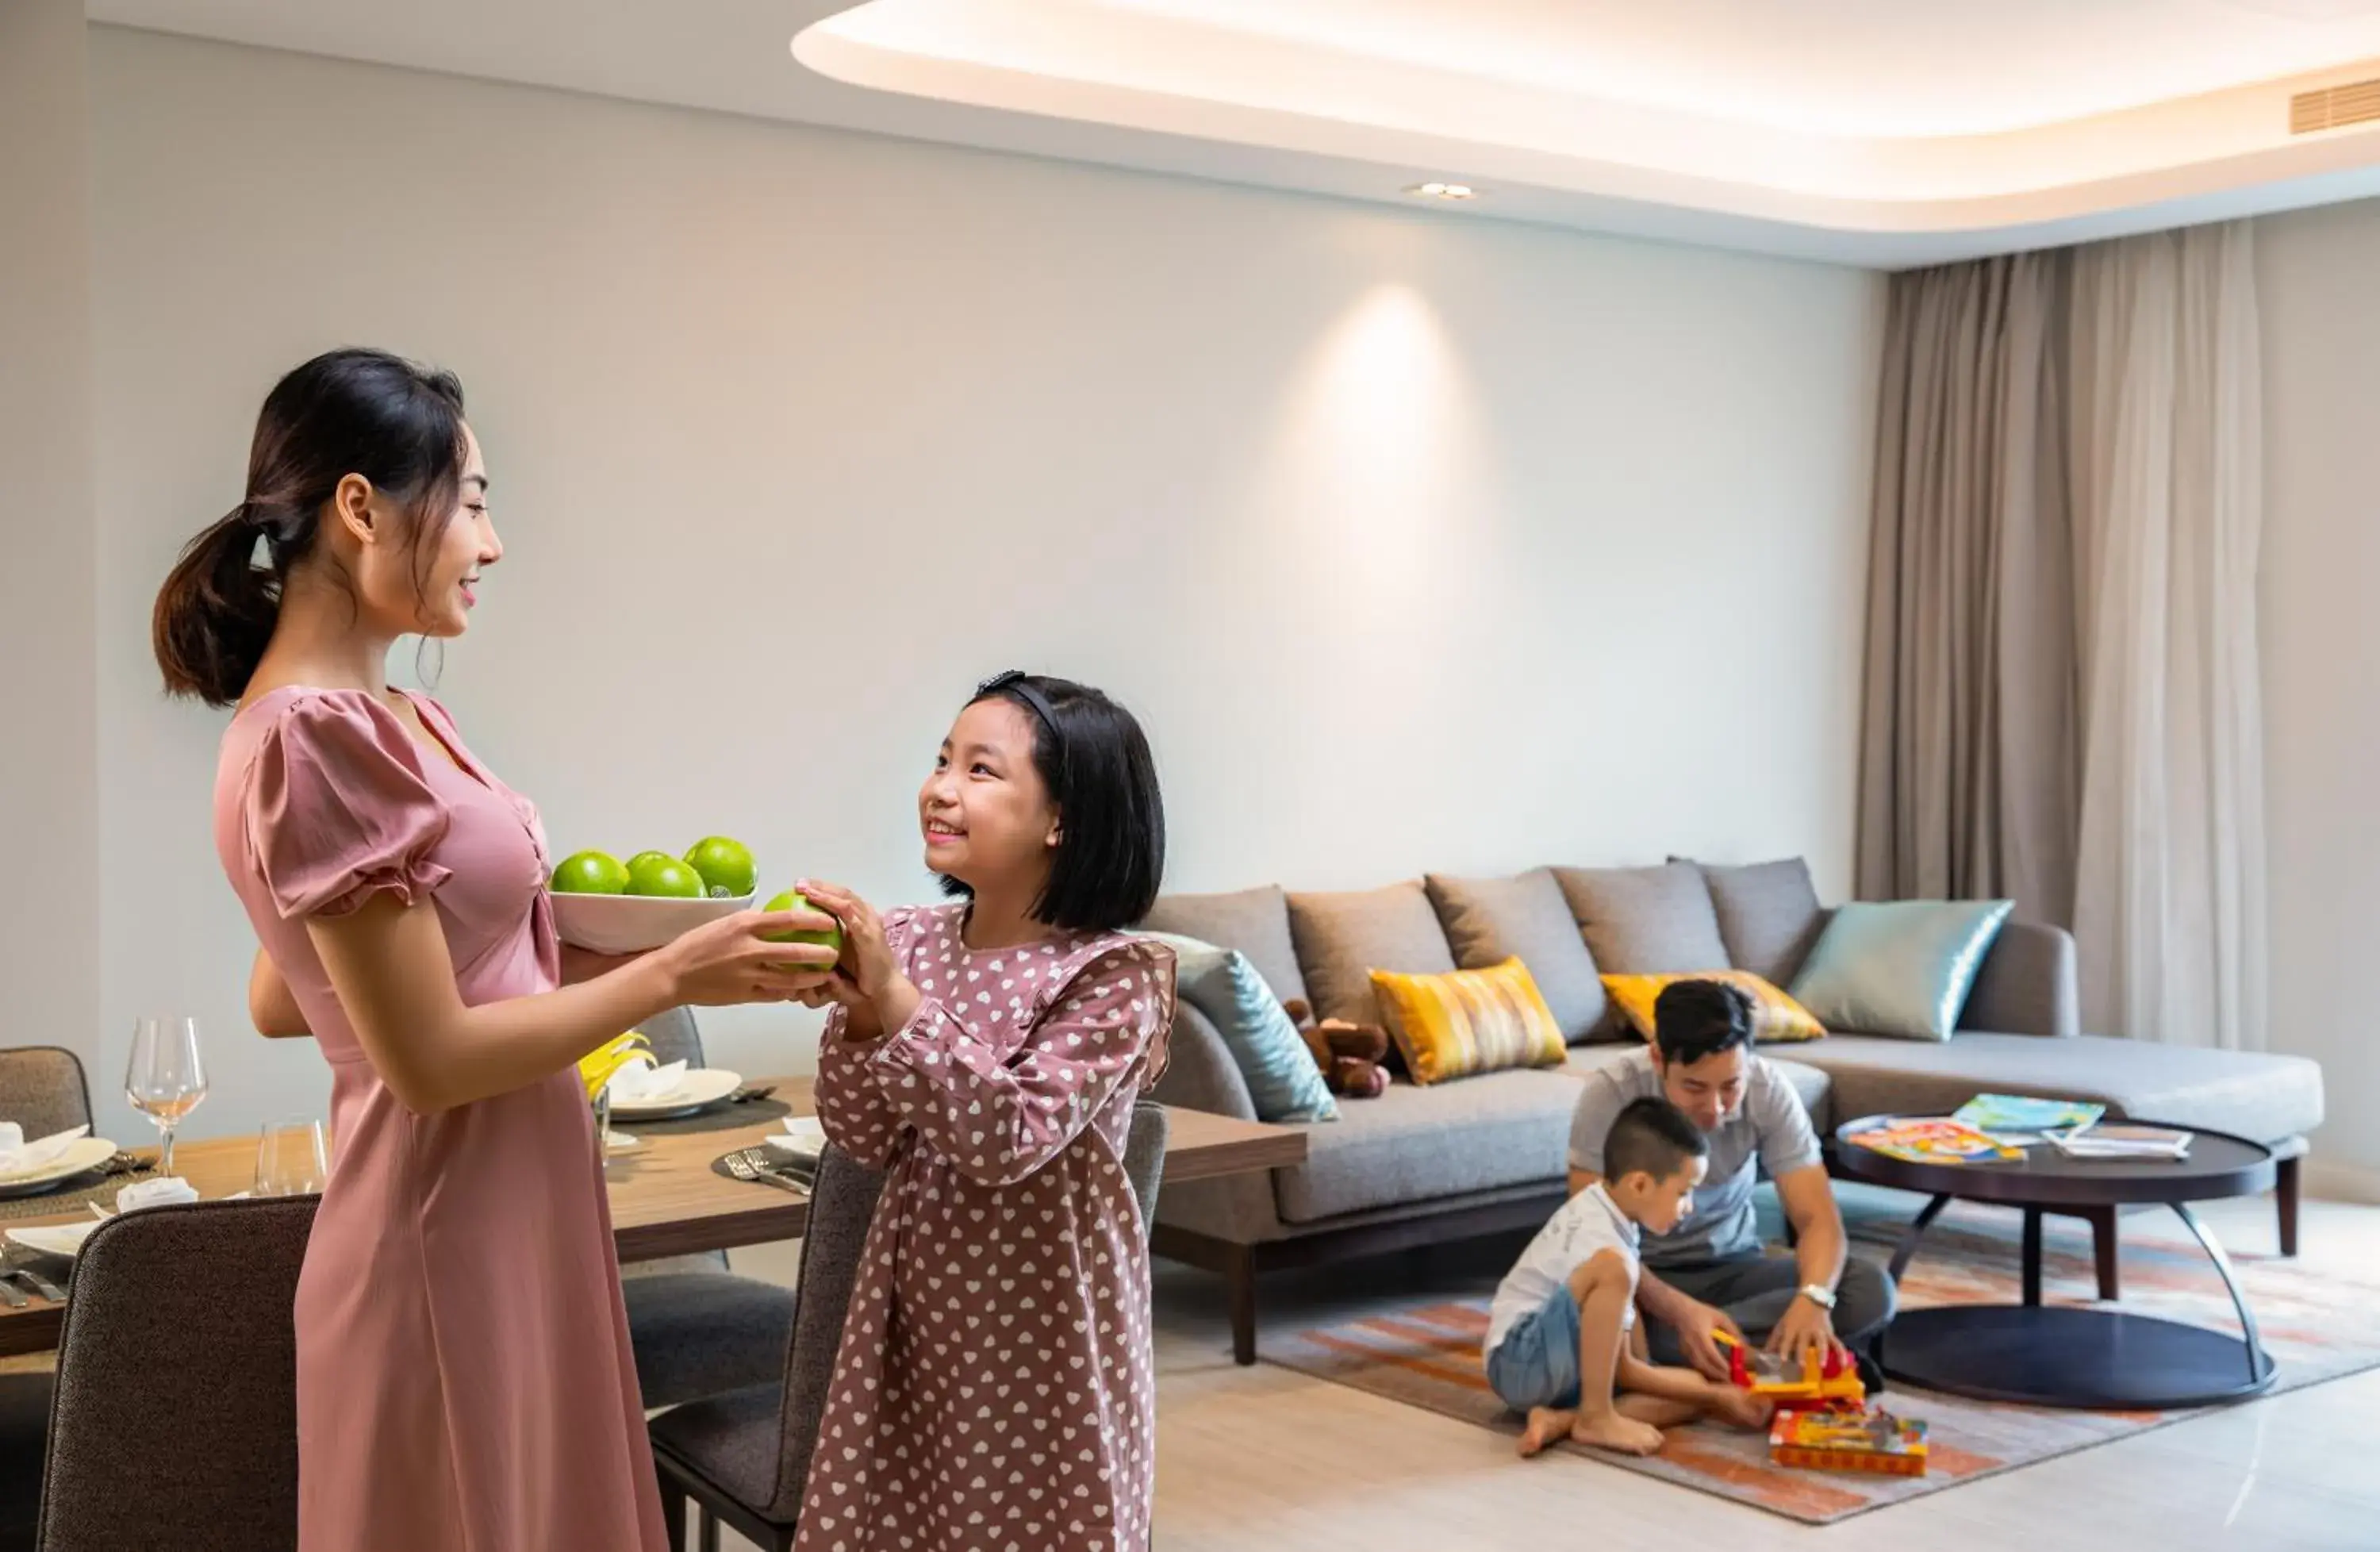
x,y
1882,132
1832,66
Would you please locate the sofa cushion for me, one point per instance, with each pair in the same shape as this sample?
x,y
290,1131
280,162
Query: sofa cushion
x,y
1768,915
2254,1094
1489,921
1274,1060
1899,967
1776,1019
1414,1144
1645,921
1341,939
1253,921
1464,1022
1808,1081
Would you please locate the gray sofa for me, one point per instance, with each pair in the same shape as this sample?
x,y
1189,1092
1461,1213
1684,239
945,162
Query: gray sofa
x,y
1487,1155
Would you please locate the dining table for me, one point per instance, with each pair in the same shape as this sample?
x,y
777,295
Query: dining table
x,y
666,1199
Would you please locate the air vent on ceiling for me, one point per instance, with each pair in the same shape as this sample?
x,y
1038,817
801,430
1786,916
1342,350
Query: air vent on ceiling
x,y
2335,107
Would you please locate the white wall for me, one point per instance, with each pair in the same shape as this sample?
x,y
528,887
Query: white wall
x,y
49,912
2316,272
1416,543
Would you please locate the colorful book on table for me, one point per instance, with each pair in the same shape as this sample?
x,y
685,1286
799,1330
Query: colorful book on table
x,y
2016,1113
1933,1140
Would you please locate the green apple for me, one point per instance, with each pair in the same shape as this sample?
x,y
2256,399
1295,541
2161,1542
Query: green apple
x,y
792,900
726,865
658,873
590,873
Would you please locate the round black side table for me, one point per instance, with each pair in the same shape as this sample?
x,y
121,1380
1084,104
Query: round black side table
x,y
2060,1356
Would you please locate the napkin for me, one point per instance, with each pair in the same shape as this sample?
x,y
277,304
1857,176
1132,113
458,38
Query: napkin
x,y
18,1156
638,1082
155,1193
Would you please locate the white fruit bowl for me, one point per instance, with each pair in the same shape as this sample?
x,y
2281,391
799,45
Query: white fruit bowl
x,y
626,924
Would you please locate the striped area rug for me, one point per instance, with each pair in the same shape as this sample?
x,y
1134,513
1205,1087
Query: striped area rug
x,y
1425,1352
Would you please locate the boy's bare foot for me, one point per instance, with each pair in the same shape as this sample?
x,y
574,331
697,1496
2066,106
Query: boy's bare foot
x,y
1545,1426
1612,1431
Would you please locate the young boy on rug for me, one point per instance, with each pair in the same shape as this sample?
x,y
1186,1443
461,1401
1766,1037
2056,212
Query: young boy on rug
x,y
1562,1344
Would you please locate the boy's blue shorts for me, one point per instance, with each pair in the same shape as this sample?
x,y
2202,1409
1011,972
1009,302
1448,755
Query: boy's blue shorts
x,y
1536,1364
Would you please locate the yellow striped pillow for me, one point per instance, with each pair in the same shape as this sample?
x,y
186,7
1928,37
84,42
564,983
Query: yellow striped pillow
x,y
1775,1016
1465,1022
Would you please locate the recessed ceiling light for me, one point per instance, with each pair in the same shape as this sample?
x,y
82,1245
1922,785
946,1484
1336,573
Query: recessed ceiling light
x,y
1443,192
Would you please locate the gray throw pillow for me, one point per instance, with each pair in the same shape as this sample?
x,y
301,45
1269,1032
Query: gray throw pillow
x,y
1342,938
1643,921
1768,915
1646,921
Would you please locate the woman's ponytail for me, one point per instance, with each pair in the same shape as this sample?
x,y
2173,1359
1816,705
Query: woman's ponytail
x,y
214,615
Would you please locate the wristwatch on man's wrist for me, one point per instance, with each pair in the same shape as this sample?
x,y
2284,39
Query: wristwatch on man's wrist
x,y
1819,1294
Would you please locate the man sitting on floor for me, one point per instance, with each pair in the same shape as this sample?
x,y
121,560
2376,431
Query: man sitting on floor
x,y
1711,1273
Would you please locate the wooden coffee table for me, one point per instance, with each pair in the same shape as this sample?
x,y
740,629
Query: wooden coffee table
x,y
2062,1355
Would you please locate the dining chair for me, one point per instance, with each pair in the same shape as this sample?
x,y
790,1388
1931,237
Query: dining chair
x,y
175,1420
694,1327
672,1036
43,1089
24,1427
744,1459
675,1037
1143,1158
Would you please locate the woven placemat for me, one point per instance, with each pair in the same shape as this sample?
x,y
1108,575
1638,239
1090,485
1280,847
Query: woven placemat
x,y
73,1198
752,1113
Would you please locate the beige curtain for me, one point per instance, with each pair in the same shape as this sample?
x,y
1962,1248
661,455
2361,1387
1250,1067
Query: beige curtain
x,y
2061,702
1969,769
2168,500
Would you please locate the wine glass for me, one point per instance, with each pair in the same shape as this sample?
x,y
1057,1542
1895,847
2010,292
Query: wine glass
x,y
165,1078
291,1159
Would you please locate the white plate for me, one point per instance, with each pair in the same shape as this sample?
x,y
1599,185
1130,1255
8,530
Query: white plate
x,y
699,1087
626,924
82,1156
802,1135
58,1239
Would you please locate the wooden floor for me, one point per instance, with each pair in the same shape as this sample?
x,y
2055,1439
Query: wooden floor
x,y
1262,1458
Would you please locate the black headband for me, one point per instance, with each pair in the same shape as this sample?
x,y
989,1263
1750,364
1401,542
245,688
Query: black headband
x,y
1015,683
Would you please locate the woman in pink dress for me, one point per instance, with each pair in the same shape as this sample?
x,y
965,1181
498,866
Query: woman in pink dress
x,y
464,1378
994,1389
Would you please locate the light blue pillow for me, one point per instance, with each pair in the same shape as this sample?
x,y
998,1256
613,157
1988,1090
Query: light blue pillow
x,y
1271,1055
1899,968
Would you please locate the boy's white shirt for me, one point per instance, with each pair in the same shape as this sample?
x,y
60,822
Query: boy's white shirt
x,y
1588,1222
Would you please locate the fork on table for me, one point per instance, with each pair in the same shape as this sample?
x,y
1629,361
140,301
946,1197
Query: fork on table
x,y
24,1273
744,1166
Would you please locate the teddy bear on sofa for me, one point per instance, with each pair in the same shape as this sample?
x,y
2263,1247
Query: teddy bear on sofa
x,y
1353,1056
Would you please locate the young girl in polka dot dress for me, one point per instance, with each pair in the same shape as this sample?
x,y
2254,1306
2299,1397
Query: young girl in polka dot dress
x,y
994,1388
